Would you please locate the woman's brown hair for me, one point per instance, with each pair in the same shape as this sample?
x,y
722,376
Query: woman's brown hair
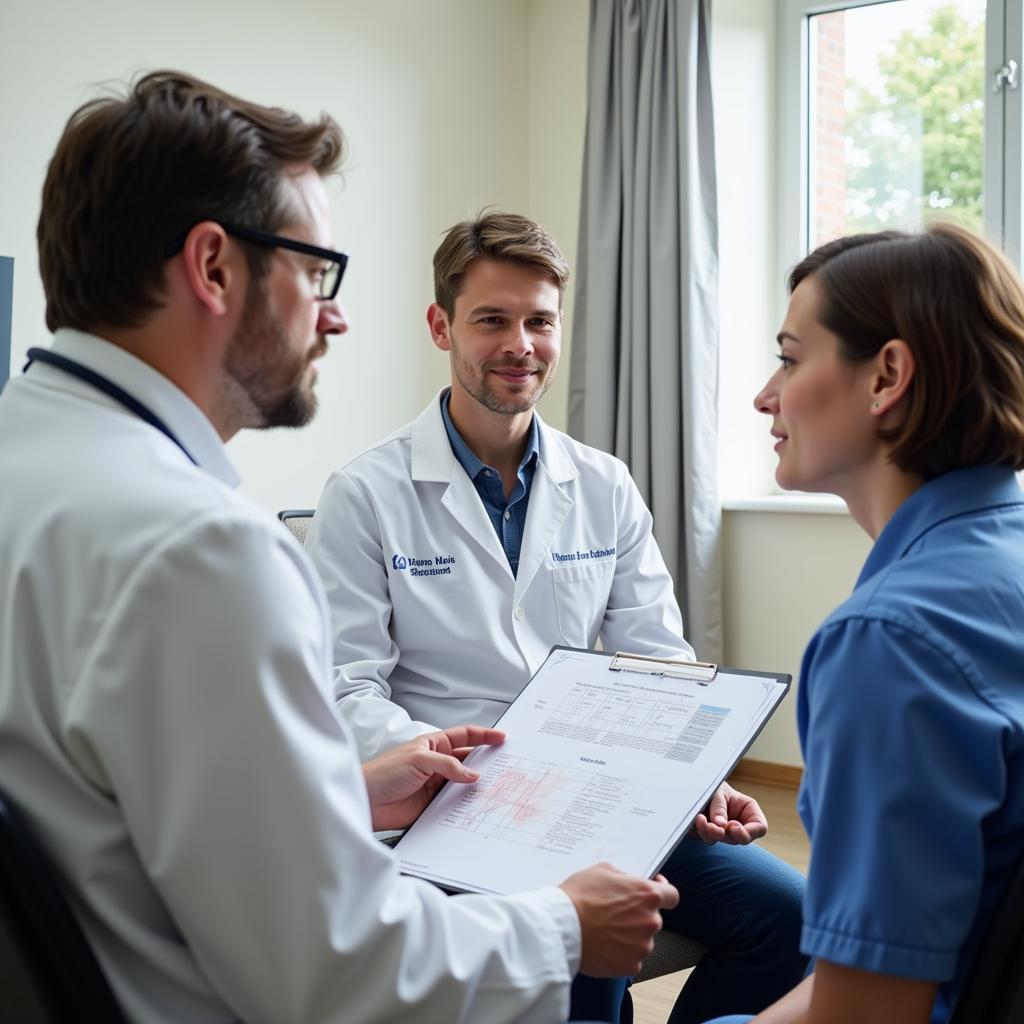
x,y
959,305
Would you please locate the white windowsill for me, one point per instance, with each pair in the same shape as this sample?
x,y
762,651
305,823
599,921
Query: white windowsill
x,y
818,504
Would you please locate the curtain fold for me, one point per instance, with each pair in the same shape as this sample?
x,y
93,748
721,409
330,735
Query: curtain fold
x,y
6,309
643,378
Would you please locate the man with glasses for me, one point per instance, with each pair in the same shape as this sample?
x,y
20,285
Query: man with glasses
x,y
166,715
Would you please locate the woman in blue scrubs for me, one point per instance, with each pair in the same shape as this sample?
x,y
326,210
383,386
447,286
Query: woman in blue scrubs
x,y
901,389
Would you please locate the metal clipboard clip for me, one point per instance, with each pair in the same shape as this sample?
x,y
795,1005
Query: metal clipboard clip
x,y
702,672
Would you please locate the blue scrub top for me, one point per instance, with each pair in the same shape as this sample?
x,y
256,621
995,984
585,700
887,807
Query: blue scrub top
x,y
911,718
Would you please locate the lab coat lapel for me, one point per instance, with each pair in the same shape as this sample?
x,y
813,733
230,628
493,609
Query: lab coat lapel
x,y
549,505
434,460
463,502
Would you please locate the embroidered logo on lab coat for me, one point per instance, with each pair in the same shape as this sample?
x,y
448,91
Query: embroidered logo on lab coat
x,y
439,565
590,555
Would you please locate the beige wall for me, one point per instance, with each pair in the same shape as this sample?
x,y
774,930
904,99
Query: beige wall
x,y
448,105
783,573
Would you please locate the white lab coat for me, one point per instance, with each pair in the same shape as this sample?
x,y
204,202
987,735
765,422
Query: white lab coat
x,y
166,720
431,629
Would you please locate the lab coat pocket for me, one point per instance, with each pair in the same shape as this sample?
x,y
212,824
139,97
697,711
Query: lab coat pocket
x,y
581,596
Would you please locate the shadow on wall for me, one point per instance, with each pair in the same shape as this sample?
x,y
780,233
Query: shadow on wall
x,y
6,301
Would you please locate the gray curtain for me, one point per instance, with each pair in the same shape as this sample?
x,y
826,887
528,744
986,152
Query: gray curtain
x,y
644,367
6,306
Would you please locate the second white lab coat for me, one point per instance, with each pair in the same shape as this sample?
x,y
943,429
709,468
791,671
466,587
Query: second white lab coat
x,y
431,629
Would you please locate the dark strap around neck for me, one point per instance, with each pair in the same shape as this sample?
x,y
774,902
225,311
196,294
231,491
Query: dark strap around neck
x,y
108,387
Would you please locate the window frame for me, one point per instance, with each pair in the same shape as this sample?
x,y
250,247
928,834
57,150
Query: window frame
x,y
1003,187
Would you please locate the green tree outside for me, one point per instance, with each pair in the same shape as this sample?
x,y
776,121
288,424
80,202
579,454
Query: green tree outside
x,y
914,148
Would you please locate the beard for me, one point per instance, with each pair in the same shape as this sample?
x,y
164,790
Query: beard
x,y
262,365
474,382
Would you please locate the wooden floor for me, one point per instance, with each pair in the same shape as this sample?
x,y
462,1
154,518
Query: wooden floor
x,y
652,1001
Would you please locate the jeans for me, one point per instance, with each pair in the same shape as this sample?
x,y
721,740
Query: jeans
x,y
741,902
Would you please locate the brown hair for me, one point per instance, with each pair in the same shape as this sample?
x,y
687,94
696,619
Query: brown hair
x,y
130,174
959,305
495,236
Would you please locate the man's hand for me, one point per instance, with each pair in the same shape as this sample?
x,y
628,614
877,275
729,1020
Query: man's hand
x,y
401,782
618,918
732,817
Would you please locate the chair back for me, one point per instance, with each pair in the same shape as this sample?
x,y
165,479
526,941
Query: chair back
x,y
672,952
993,990
297,520
46,962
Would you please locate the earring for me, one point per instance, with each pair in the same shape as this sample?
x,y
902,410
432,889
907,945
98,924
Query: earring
x,y
875,406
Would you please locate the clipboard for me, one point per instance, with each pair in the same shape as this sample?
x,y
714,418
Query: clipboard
x,y
608,756
702,672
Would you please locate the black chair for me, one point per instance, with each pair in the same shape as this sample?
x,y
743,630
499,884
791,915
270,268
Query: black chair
x,y
48,972
993,991
297,520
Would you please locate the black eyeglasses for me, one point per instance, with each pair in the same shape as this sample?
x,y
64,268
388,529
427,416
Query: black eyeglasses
x,y
329,280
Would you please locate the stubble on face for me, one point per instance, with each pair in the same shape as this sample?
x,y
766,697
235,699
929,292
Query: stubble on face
x,y
265,383
475,381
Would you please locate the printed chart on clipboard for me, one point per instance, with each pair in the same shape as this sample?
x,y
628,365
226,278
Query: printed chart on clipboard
x,y
603,761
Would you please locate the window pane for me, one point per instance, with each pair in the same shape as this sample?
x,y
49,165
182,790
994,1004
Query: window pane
x,y
897,105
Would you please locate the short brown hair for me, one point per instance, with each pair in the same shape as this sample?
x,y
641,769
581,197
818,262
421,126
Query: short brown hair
x,y
130,174
959,305
495,236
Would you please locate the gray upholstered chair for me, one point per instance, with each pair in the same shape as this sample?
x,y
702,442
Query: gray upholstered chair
x,y
297,520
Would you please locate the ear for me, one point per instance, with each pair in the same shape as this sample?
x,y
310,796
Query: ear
x,y
894,369
211,267
437,321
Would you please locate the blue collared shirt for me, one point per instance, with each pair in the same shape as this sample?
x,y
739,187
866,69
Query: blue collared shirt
x,y
911,717
507,517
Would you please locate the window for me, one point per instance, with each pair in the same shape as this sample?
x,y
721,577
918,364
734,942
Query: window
x,y
886,113
894,111
895,116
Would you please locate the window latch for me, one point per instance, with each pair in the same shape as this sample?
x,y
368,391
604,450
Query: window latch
x,y
1006,75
